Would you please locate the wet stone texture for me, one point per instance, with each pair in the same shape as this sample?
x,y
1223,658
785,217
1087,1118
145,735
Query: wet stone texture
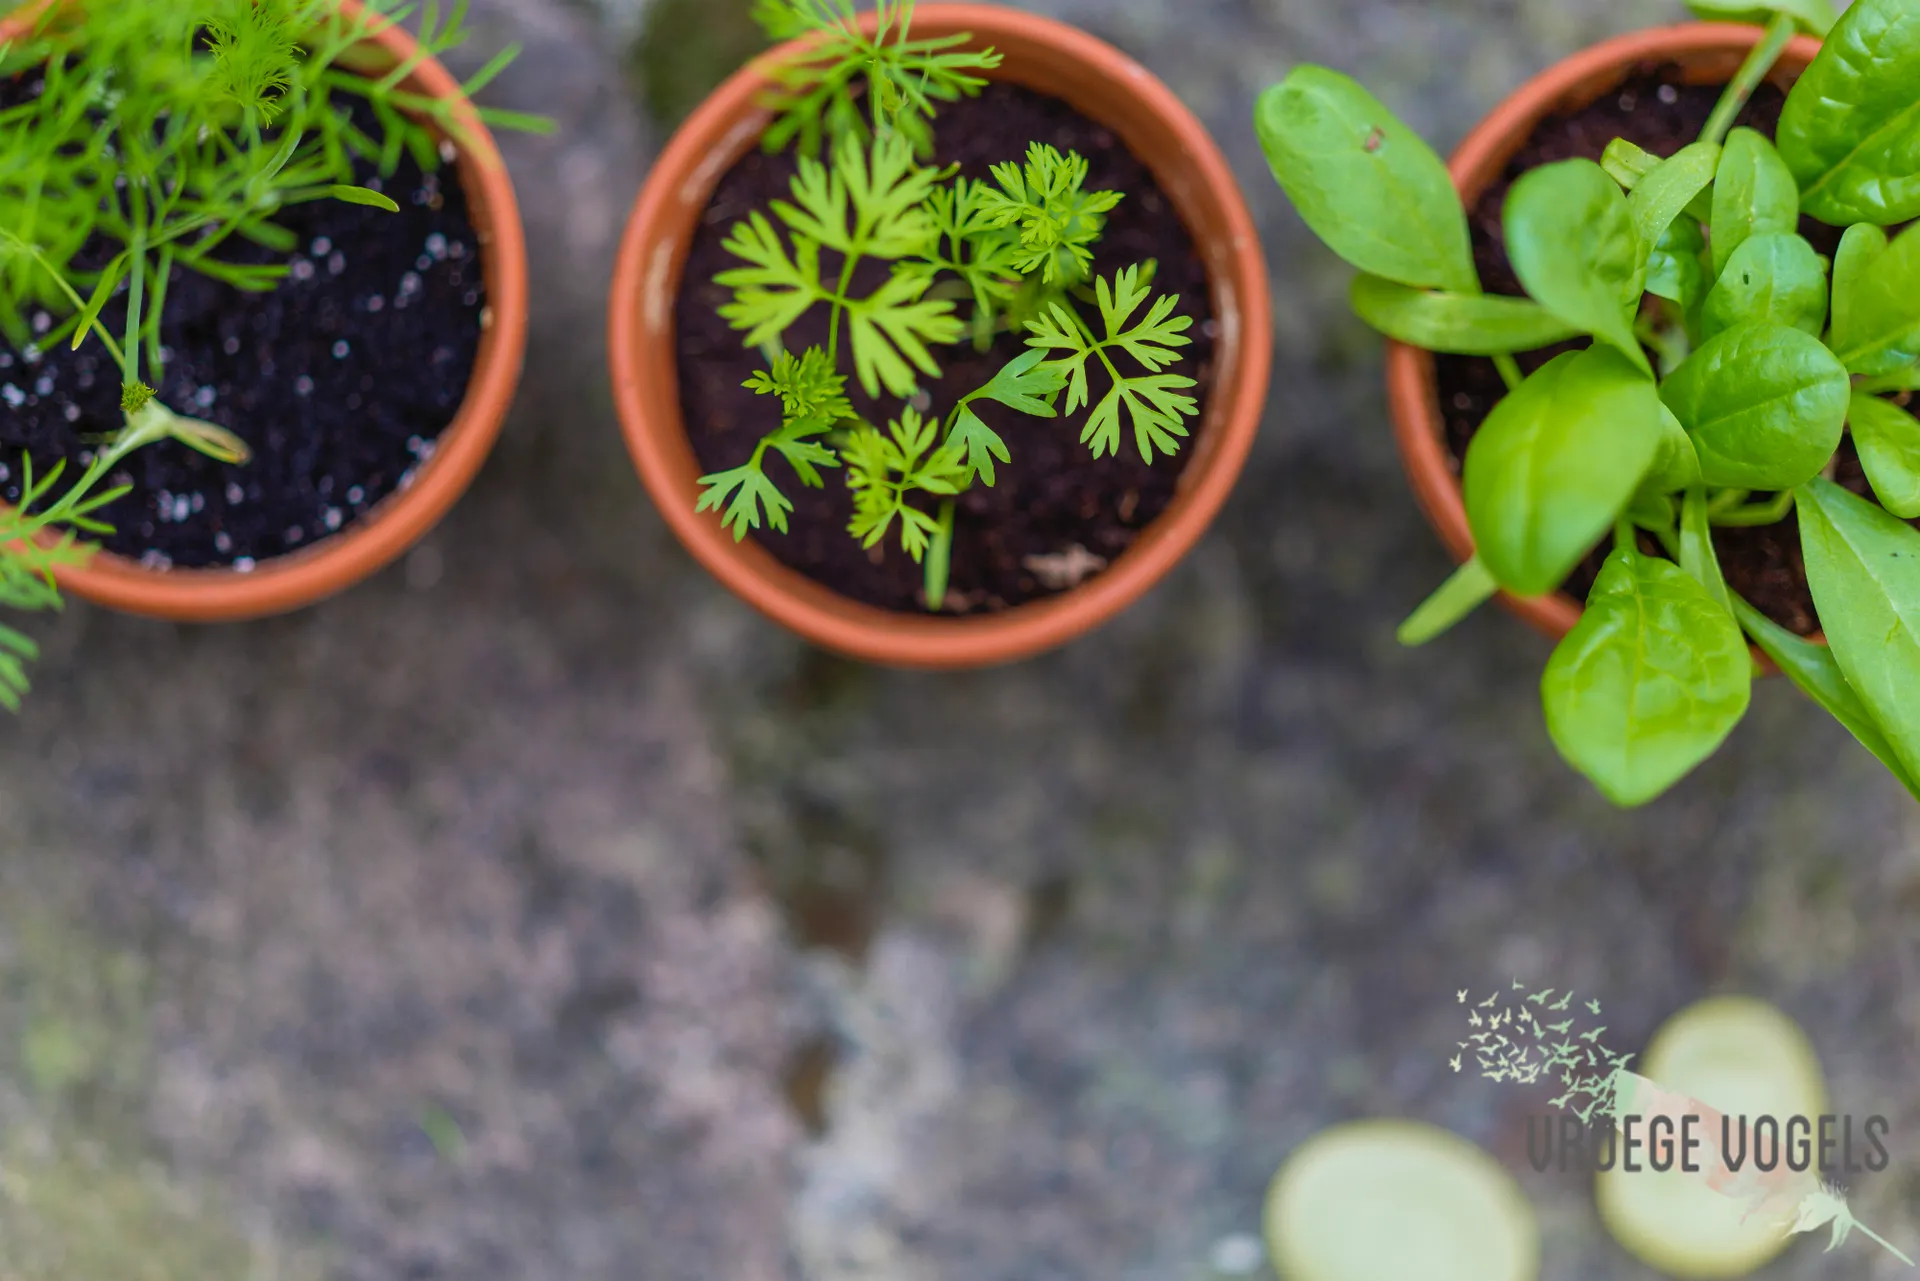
x,y
536,911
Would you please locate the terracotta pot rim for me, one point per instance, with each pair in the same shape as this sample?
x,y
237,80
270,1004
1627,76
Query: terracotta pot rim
x,y
393,526
646,282
1410,371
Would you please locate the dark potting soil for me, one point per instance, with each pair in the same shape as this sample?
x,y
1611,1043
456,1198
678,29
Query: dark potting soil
x,y
340,379
1658,113
1054,514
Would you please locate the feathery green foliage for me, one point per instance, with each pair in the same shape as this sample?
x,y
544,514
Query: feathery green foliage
x,y
165,129
1020,249
902,79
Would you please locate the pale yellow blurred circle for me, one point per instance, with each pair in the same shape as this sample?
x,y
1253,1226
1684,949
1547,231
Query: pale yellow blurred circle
x,y
1742,1057
1395,1200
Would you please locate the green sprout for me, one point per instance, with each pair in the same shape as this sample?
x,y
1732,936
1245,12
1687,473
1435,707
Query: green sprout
x,y
1020,249
1727,361
166,129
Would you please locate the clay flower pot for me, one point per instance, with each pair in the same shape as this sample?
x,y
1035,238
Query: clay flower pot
x,y
1104,85
383,534
1709,53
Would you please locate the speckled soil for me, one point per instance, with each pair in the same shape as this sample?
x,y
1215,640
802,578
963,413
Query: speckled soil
x,y
340,380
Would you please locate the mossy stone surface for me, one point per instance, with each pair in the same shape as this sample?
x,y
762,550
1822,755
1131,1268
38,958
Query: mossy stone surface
x,y
724,958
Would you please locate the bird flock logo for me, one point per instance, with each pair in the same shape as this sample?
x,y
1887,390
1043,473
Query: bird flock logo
x,y
1521,1042
1517,1044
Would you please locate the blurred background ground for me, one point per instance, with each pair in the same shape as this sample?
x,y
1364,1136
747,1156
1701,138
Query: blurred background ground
x,y
535,911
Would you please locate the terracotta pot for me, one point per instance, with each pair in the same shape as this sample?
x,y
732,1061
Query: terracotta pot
x,y
1104,85
1710,53
380,536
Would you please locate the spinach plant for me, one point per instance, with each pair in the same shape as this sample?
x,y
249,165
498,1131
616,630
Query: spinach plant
x,y
965,260
1727,360
163,130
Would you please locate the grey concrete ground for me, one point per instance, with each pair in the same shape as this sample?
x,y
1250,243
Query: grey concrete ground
x,y
537,913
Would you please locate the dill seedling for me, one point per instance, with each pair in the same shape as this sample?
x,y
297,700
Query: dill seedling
x,y
162,130
1019,249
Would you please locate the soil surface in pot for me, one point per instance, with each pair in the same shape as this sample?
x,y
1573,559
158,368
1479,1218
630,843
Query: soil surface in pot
x,y
1054,515
340,379
1657,111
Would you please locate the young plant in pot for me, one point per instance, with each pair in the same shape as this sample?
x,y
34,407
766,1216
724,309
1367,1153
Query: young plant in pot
x,y
241,303
1716,344
949,378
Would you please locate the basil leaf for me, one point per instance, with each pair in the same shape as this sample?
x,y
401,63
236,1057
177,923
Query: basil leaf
x,y
1863,566
1812,668
1765,406
1666,192
1697,556
1816,16
1649,682
1888,438
1458,324
1753,193
1365,183
1573,244
1850,131
1675,271
1876,300
1770,277
1554,464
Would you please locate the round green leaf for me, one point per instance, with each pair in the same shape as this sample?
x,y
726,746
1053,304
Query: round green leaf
x,y
1753,193
1813,668
1815,16
1385,1199
1459,324
1365,183
1573,244
1773,277
1670,187
1765,405
1676,466
1675,271
1555,462
1649,682
1742,1058
1850,131
1876,300
1888,438
1863,566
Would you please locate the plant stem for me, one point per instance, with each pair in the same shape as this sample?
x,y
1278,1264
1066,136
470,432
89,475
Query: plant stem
x,y
131,348
1726,500
940,558
1465,590
163,270
1767,513
840,305
1751,73
1509,370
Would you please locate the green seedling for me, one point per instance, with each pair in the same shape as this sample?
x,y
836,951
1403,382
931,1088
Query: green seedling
x,y
966,260
164,130
1727,361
